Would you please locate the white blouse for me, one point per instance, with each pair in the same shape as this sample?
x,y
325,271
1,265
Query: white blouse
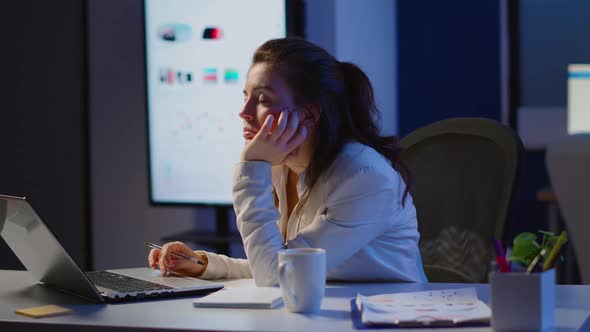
x,y
354,212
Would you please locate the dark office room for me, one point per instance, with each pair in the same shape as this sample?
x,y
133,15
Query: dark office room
x,y
295,165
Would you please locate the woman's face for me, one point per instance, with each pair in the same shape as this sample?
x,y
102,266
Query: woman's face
x,y
265,93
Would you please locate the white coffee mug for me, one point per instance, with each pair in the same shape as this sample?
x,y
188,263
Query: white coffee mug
x,y
302,277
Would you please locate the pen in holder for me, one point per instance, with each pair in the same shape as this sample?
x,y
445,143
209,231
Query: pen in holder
x,y
522,301
536,261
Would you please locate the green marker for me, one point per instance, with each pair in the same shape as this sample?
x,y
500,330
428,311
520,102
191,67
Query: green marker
x,y
555,251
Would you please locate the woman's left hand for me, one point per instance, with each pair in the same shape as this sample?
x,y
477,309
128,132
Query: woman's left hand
x,y
274,145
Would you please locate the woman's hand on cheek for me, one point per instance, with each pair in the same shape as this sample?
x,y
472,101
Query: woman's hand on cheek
x,y
273,145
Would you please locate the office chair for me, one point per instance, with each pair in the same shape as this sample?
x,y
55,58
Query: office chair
x,y
464,173
568,164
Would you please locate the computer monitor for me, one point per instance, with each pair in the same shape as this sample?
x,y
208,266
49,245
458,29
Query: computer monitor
x,y
578,99
198,53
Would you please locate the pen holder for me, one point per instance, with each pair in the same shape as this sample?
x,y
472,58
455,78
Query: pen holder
x,y
521,301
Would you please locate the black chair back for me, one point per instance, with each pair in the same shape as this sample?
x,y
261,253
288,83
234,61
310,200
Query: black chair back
x,y
464,173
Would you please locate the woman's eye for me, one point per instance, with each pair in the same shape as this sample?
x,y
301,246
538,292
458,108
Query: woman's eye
x,y
264,101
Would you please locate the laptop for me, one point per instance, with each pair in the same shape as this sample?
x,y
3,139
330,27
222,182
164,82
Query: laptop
x,y
41,253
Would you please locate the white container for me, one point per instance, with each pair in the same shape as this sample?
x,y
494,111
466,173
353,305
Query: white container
x,y
302,277
521,301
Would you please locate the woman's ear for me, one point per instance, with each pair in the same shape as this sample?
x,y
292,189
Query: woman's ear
x,y
310,115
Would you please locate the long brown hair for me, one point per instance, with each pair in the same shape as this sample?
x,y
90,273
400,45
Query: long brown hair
x,y
345,98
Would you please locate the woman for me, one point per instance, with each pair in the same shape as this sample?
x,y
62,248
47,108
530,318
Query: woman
x,y
314,172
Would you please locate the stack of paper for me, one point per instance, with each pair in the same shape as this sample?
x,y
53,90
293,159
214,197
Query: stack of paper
x,y
431,308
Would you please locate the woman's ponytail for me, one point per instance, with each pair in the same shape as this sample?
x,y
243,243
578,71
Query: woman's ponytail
x,y
362,116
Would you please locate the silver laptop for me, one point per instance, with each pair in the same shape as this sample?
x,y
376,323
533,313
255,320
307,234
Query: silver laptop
x,y
40,252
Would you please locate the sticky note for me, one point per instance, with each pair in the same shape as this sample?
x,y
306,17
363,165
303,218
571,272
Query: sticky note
x,y
44,311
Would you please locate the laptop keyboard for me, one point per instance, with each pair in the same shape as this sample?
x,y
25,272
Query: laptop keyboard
x,y
122,283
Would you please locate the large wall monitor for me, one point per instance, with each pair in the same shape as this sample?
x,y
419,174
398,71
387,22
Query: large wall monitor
x,y
197,56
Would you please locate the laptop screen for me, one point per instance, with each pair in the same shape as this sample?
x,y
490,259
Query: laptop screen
x,y
39,250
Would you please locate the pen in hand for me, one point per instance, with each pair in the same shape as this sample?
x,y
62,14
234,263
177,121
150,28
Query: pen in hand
x,y
155,246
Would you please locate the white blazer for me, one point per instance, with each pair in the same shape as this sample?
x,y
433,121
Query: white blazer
x,y
354,212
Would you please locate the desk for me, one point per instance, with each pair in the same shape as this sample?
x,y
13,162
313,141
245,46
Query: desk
x,y
18,290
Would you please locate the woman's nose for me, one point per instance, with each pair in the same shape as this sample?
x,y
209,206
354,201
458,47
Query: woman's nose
x,y
247,112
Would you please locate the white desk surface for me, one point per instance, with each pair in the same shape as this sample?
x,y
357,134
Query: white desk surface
x,y
19,290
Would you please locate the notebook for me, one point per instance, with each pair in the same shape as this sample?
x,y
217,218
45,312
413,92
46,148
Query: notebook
x,y
242,297
447,307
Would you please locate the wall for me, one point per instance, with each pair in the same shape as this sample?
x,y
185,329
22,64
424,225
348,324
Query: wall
x,y
122,218
43,118
365,35
553,35
448,61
